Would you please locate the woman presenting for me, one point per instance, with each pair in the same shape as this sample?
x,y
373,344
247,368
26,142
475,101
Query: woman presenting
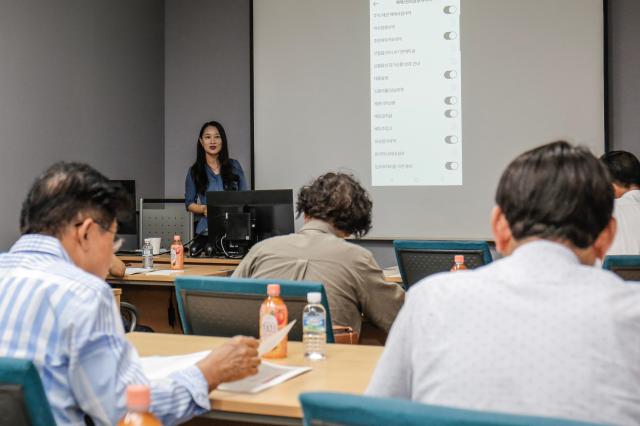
x,y
212,171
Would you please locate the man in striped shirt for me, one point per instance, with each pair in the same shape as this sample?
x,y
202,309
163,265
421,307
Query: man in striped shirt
x,y
56,309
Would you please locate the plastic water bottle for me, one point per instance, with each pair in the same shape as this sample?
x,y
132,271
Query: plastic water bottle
x,y
314,328
147,254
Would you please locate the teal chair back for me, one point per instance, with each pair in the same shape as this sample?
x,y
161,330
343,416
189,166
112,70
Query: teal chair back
x,y
22,397
222,306
336,409
626,267
420,258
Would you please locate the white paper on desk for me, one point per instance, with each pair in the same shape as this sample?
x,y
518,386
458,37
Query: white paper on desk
x,y
272,341
158,367
166,272
133,271
268,376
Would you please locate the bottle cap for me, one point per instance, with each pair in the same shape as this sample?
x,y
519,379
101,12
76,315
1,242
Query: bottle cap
x,y
273,289
147,240
176,238
314,297
138,396
459,258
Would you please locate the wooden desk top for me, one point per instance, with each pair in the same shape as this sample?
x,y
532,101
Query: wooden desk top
x,y
160,261
199,270
165,258
348,368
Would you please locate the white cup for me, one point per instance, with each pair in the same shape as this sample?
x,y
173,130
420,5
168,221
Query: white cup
x,y
155,243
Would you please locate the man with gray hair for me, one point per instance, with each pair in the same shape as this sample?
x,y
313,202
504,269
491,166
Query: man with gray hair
x,y
56,309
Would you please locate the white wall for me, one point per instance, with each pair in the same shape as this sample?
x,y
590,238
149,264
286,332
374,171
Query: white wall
x,y
207,77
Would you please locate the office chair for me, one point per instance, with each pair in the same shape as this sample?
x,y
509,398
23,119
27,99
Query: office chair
x,y
164,218
129,315
338,409
222,306
626,267
418,259
23,401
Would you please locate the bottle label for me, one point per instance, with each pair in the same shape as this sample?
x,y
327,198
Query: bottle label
x,y
314,323
268,325
177,260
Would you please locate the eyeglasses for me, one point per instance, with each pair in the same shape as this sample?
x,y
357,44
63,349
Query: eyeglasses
x,y
117,241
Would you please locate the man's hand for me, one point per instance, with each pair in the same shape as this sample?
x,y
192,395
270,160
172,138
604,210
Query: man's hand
x,y
234,360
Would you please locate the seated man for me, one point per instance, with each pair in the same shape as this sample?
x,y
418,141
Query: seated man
x,y
624,169
334,206
56,309
539,332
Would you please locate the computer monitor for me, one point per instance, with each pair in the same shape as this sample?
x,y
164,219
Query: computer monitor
x,y
128,227
239,219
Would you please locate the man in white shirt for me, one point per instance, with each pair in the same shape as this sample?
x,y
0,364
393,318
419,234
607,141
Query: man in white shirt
x,y
539,332
624,169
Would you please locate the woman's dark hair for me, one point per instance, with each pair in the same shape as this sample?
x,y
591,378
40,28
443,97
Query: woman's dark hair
x,y
66,190
198,171
339,199
623,167
556,192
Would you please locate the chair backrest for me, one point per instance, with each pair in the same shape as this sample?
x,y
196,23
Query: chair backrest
x,y
22,397
222,306
626,267
337,409
418,259
165,218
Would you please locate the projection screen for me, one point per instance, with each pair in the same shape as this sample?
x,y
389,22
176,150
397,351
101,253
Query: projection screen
x,y
424,101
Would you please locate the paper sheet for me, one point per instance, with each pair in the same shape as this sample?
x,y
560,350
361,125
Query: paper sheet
x,y
157,367
166,272
268,376
133,271
272,341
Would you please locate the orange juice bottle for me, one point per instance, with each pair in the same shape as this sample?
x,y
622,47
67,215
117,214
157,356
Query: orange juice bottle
x,y
273,317
177,253
459,263
138,401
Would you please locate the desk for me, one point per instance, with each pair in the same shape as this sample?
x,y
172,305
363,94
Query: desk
x,y
165,258
154,295
168,280
348,368
232,263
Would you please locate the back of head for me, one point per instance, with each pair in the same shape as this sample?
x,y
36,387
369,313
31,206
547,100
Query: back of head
x,y
556,192
623,167
66,190
339,199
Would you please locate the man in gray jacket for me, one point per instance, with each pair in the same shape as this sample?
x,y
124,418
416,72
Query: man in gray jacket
x,y
334,206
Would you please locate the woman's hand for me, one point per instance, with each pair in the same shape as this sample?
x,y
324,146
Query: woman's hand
x,y
204,210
